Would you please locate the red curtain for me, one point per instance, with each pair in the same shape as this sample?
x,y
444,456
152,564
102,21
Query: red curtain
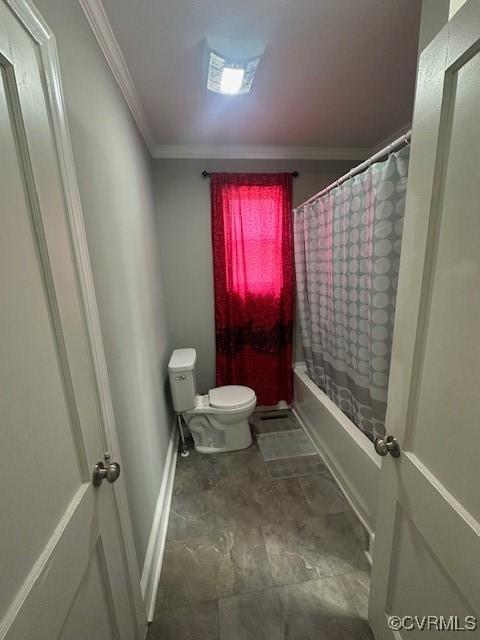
x,y
253,272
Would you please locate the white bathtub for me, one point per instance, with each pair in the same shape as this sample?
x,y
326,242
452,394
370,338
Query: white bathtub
x,y
348,453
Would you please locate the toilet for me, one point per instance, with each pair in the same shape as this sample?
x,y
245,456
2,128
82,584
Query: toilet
x,y
218,421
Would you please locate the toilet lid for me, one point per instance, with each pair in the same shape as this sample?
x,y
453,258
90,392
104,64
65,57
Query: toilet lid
x,y
232,395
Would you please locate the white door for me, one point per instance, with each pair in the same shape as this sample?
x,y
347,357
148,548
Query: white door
x,y
63,570
427,546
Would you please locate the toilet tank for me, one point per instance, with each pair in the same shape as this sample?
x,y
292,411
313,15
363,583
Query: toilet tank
x,y
181,371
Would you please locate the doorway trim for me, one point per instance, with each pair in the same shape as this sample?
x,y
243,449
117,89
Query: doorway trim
x,y
31,19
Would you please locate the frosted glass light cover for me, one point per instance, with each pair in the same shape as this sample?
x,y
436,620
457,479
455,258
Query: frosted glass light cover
x,y
232,79
221,82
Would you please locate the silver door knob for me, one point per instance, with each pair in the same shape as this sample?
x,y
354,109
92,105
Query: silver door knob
x,y
109,473
387,445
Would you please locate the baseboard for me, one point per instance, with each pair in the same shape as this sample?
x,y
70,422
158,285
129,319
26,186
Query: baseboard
x,y
280,406
152,566
341,486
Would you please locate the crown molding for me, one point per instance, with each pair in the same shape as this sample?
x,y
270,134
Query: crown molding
x,y
258,152
103,32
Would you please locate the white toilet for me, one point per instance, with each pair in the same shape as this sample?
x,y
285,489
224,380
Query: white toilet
x,y
218,421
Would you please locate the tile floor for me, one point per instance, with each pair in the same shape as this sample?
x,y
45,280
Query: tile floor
x,y
248,557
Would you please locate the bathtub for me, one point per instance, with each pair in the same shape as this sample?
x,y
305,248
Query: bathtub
x,y
347,452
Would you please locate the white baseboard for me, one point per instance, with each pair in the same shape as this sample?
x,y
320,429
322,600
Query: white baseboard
x,y
280,406
152,566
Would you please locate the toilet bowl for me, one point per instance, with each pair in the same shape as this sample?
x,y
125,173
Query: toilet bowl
x,y
218,420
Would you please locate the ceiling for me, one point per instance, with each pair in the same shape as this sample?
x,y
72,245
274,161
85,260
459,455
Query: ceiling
x,y
336,73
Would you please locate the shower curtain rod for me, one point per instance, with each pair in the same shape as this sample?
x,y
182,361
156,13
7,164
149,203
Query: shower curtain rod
x,y
386,151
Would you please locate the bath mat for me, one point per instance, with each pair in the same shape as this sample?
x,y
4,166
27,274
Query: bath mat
x,y
285,444
295,467
273,424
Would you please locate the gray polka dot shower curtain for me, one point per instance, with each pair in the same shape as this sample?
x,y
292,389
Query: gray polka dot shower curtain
x,y
347,255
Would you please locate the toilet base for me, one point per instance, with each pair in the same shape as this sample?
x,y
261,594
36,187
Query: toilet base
x,y
201,449
211,436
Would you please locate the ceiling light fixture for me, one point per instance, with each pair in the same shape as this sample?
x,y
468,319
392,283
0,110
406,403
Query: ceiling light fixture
x,y
232,73
231,80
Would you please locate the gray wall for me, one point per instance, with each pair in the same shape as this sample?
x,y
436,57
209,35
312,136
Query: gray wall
x,y
114,173
183,209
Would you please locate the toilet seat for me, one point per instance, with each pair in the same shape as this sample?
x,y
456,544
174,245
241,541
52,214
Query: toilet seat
x,y
232,396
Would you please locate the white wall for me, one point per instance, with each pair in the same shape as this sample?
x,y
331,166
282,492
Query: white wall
x,y
114,175
455,5
183,209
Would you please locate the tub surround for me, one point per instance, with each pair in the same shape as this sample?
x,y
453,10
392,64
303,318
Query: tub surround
x,y
349,454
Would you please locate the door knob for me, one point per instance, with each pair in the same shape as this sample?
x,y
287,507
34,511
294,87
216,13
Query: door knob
x,y
100,473
387,445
